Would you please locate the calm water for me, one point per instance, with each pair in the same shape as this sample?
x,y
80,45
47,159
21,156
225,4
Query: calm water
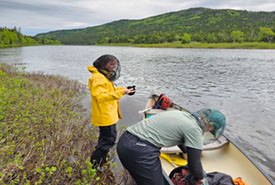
x,y
240,83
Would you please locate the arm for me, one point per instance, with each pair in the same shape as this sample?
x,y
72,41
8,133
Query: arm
x,y
102,91
194,163
182,148
126,90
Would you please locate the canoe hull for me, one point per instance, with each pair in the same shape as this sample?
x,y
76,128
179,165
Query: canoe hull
x,y
229,160
225,157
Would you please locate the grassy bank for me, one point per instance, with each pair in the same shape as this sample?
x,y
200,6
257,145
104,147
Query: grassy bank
x,y
2,46
45,134
244,45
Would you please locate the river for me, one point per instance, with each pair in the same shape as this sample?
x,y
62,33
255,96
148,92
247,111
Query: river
x,y
238,82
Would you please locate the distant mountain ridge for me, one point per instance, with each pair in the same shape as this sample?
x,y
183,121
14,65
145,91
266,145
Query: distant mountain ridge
x,y
202,24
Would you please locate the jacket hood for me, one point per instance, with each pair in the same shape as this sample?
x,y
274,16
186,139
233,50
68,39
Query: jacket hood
x,y
93,69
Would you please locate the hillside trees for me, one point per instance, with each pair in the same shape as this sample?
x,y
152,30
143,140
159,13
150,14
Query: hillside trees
x,y
202,24
267,35
263,34
186,38
237,36
13,37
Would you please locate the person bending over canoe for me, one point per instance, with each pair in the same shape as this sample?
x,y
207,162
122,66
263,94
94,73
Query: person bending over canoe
x,y
139,146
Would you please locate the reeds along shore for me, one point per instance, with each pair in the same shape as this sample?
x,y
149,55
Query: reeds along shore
x,y
46,136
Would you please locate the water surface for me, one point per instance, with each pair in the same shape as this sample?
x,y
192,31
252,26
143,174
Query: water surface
x,y
240,83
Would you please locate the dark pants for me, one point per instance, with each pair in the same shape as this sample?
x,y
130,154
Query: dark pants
x,y
141,159
106,140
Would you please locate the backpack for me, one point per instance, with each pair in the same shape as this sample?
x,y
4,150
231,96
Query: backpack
x,y
182,176
163,102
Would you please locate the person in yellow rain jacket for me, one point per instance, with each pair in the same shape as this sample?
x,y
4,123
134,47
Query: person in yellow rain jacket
x,y
105,104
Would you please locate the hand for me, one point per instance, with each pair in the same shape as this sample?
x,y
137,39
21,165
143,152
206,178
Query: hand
x,y
133,90
199,182
128,91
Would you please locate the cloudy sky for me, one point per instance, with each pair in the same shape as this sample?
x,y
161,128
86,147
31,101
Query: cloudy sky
x,y
40,16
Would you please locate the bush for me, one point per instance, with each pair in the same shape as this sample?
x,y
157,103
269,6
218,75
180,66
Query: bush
x,y
186,38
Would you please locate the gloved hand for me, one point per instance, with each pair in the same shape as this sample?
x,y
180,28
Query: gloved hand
x,y
132,87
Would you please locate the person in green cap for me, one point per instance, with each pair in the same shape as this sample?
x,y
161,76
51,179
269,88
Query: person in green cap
x,y
139,147
213,117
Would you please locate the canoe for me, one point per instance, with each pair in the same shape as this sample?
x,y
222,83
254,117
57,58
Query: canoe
x,y
223,155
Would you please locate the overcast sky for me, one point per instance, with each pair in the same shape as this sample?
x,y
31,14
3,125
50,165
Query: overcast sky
x,y
40,16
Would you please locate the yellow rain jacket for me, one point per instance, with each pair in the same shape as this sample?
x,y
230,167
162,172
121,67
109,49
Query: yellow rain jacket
x,y
105,96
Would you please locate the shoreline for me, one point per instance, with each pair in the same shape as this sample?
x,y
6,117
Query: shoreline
x,y
178,44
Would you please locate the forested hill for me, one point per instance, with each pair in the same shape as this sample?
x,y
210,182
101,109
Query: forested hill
x,y
14,38
201,24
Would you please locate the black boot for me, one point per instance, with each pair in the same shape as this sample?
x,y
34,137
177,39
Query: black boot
x,y
98,158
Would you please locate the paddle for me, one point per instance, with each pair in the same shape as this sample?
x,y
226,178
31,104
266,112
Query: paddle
x,y
144,110
167,157
174,160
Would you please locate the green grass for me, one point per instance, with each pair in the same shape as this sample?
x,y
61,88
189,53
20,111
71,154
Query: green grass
x,y
178,44
22,45
45,133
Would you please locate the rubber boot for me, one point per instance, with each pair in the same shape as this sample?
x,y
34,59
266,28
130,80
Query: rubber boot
x,y
98,158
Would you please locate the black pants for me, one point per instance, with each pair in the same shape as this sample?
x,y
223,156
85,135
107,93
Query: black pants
x,y
106,140
141,159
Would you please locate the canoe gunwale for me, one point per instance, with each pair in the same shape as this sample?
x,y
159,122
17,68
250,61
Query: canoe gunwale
x,y
250,159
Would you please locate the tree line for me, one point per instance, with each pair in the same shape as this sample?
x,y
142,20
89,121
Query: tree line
x,y
13,37
263,35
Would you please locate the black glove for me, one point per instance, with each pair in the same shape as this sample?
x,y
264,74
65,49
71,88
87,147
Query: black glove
x,y
131,87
